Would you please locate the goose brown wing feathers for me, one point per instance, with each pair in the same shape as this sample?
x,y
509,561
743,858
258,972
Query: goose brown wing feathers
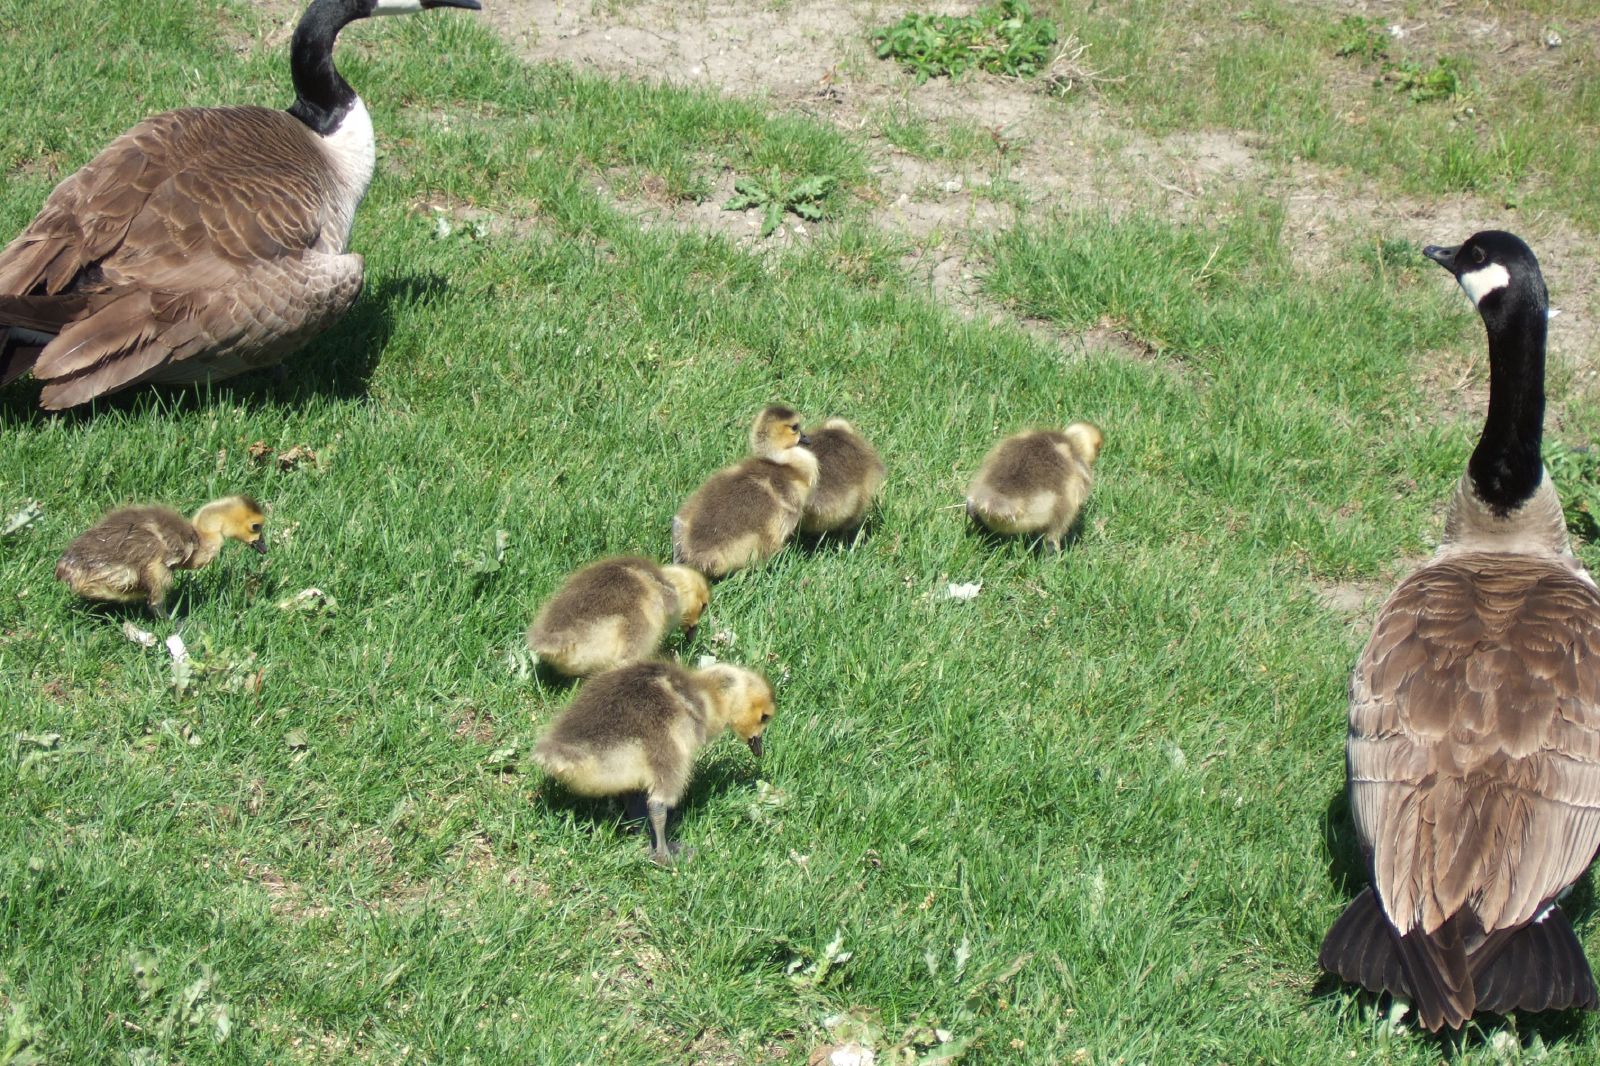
x,y
250,320
1474,752
202,243
236,183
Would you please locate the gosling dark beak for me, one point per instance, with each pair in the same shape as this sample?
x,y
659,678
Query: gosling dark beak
x,y
260,545
805,441
470,5
755,745
1445,257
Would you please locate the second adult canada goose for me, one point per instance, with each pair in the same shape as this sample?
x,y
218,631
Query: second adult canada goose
x,y
615,612
744,513
849,475
1474,745
129,555
1036,481
203,242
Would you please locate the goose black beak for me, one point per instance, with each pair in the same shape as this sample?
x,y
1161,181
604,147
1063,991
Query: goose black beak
x,y
805,441
260,545
755,745
1445,257
470,5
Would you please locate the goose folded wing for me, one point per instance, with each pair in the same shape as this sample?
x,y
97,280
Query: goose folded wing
x,y
240,184
1474,752
251,317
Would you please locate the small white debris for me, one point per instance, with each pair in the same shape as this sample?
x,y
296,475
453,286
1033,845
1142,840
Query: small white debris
x,y
852,1055
1396,30
1552,39
723,636
177,649
953,185
142,637
1552,312
705,661
442,228
958,591
1179,759
29,514
310,600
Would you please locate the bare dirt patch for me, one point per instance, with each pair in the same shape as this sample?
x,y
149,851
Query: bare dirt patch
x,y
287,898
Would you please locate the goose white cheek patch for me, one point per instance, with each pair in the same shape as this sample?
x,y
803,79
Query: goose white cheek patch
x,y
397,7
1481,282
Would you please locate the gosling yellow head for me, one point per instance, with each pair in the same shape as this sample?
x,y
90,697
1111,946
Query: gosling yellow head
x,y
237,518
776,429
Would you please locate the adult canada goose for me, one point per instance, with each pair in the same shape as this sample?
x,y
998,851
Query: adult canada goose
x,y
746,512
635,731
203,242
849,475
129,555
1036,481
615,612
1474,745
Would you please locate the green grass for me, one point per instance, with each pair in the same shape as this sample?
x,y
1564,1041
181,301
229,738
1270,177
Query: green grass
x,y
1003,38
1090,809
1515,129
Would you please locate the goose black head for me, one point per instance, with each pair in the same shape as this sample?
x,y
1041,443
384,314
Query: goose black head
x,y
1497,271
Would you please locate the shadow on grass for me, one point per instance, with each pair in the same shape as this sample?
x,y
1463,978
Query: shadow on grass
x,y
1036,543
839,541
609,817
336,365
1349,872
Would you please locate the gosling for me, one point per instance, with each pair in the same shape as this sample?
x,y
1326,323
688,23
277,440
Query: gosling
x,y
744,513
849,475
635,731
1036,481
131,553
615,612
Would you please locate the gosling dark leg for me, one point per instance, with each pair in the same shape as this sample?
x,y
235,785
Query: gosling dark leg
x,y
660,851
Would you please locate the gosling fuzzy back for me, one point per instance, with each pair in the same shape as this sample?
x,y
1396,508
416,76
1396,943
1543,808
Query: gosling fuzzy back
x,y
850,474
615,612
1036,482
745,513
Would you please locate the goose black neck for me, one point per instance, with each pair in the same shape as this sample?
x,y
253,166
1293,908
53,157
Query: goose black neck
x,y
322,97
1506,467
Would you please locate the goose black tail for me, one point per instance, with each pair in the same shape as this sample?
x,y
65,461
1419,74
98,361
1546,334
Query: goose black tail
x,y
26,325
1361,948
1541,967
1429,972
